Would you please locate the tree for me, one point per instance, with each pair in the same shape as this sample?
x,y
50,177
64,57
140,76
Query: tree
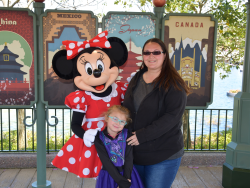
x,y
62,4
76,4
17,3
231,36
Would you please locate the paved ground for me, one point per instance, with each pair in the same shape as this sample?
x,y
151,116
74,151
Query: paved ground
x,y
187,176
28,160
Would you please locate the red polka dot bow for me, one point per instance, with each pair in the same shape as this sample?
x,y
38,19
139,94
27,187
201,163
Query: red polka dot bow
x,y
74,47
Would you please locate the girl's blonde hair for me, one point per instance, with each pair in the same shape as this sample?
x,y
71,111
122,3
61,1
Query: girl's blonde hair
x,y
119,108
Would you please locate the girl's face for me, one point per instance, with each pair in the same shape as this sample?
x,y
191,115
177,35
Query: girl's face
x,y
96,74
114,127
153,62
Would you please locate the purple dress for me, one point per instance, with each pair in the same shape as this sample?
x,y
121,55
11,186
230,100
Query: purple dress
x,y
117,160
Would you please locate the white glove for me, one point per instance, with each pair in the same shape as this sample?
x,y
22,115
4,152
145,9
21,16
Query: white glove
x,y
89,136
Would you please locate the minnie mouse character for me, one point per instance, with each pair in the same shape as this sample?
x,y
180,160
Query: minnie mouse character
x,y
93,65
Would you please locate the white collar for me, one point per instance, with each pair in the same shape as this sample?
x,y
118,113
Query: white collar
x,y
113,93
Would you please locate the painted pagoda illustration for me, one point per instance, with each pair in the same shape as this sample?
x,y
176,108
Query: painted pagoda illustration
x,y
190,64
130,65
11,77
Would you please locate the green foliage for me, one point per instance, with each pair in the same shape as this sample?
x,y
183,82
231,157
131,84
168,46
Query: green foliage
x,y
11,137
58,142
231,34
143,5
203,142
100,15
226,68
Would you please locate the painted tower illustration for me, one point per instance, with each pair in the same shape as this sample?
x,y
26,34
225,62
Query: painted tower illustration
x,y
11,76
130,65
190,64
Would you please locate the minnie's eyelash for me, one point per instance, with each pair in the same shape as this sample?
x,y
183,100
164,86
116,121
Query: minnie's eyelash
x,y
101,57
83,61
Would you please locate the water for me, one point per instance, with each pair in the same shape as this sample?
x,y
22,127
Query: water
x,y
219,120
220,101
221,87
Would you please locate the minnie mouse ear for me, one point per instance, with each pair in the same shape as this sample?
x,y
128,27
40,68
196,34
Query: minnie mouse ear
x,y
118,51
62,67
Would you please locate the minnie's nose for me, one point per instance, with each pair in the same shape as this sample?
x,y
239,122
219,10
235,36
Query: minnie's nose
x,y
97,73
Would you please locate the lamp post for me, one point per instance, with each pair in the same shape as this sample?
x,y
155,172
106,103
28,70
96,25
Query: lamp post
x,y
41,130
159,10
236,169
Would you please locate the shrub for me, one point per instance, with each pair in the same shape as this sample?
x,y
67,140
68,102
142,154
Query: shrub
x,y
56,143
11,137
213,144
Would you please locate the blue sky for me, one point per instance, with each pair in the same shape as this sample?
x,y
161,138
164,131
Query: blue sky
x,y
67,34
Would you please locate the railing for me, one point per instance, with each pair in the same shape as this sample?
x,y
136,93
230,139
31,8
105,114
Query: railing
x,y
207,130
203,130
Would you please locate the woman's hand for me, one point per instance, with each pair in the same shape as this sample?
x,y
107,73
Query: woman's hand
x,y
132,140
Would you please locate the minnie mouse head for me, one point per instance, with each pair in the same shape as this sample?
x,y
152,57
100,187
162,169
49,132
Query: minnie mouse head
x,y
92,64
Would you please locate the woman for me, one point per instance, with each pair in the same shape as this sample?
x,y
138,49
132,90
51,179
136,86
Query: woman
x,y
156,97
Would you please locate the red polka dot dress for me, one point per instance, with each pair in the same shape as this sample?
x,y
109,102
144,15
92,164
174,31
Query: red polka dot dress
x,y
74,156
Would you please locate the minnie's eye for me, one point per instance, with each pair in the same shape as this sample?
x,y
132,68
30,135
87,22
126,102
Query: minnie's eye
x,y
100,65
88,69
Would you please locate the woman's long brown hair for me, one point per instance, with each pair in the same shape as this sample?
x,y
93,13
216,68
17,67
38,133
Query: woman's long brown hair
x,y
168,73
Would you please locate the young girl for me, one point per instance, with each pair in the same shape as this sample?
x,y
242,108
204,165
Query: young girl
x,y
116,156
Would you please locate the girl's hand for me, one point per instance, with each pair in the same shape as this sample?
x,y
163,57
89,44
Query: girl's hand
x,y
128,180
132,140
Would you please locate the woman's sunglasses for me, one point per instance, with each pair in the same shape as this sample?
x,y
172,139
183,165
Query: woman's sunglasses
x,y
154,53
